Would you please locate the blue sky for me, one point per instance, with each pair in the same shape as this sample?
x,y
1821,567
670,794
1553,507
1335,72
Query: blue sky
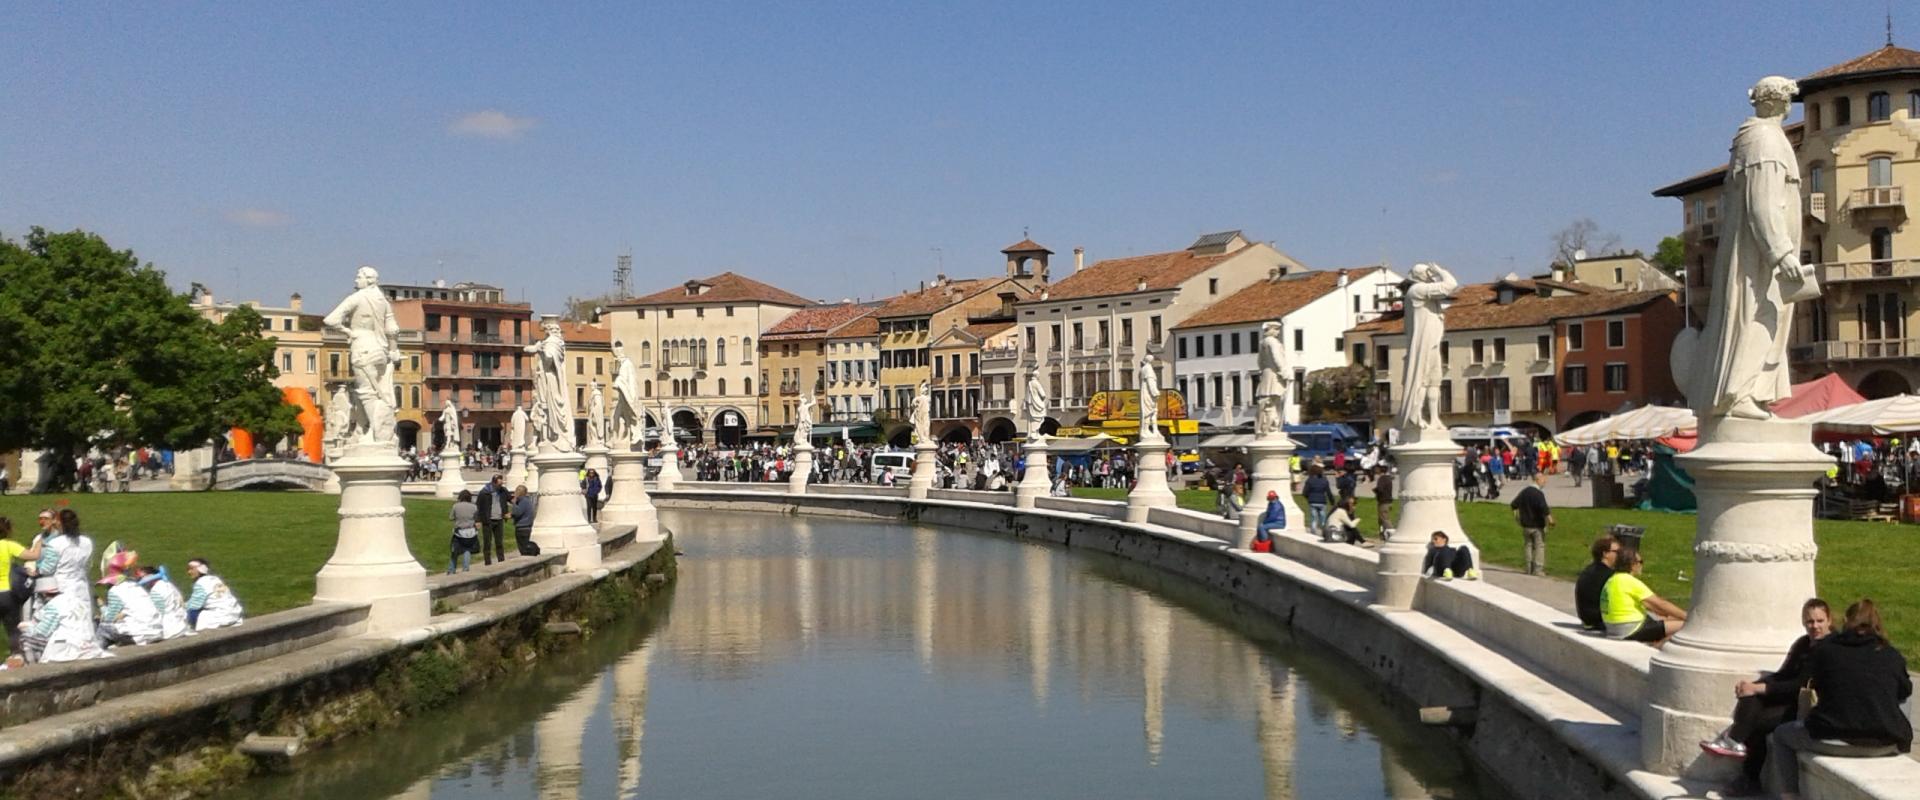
x,y
831,147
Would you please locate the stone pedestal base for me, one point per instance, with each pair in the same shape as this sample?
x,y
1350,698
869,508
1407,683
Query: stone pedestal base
x,y
189,470
1426,505
597,461
371,562
1150,479
802,469
1753,559
560,519
332,486
629,504
669,476
516,474
923,470
1272,456
452,480
1037,481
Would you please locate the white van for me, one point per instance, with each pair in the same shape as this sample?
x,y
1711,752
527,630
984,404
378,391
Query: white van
x,y
900,464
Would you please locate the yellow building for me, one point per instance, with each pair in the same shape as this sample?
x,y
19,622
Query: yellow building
x,y
590,361
296,335
694,345
409,413
1855,144
853,375
794,361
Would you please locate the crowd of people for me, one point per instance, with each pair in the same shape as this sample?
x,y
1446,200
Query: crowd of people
x,y
48,604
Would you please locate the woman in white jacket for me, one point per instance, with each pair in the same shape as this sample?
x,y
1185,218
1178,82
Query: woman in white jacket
x,y
130,616
212,604
167,601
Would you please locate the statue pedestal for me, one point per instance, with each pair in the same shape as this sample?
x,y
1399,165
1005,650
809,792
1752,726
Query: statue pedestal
x,y
560,520
802,469
371,562
1037,481
1149,479
332,486
628,503
189,470
1753,558
597,461
452,480
669,468
923,470
1272,456
516,475
1426,505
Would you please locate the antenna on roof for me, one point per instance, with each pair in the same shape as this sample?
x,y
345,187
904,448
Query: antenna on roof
x,y
623,275
1889,23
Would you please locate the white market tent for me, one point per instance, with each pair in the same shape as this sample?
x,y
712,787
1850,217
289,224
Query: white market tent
x,y
1897,414
1645,422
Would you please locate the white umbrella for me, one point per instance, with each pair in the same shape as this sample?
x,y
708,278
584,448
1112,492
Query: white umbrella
x,y
1645,422
1897,414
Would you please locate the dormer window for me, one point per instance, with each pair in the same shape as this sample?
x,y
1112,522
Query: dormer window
x,y
1505,296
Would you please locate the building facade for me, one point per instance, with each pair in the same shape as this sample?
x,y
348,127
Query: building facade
x,y
409,384
474,358
1855,144
958,384
853,372
1216,361
696,344
590,362
297,337
794,361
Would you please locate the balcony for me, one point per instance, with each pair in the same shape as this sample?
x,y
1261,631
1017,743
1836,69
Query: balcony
x,y
790,389
1857,350
1876,197
999,353
1883,269
996,405
1540,366
1815,206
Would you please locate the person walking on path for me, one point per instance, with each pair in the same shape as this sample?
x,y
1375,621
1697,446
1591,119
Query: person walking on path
x,y
495,505
1531,511
1383,499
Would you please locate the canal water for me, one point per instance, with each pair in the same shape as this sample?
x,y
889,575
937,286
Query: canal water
x,y
810,658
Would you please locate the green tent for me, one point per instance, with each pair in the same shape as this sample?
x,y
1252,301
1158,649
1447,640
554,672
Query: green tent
x,y
1670,488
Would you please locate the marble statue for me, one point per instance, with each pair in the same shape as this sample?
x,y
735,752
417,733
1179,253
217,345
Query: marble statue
x,y
1737,364
668,437
339,419
923,412
1276,381
1148,380
538,420
1036,406
596,415
517,429
450,424
625,423
550,389
1426,327
803,422
366,318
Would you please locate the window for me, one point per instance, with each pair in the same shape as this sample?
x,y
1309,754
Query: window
x,y
1575,378
1299,384
1477,396
1842,111
1479,351
1380,357
720,350
1816,178
1616,334
1253,342
1446,397
1882,317
1299,340
720,386
746,350
1542,347
1880,244
1213,286
1182,345
433,322
1234,381
599,366
1217,349
1813,116
729,313
286,323
1054,343
579,397
333,363
647,388
414,392
1500,349
936,369
286,362
746,386
1446,354
700,312
973,363
1199,347
1383,397
1233,340
1576,336
1079,336
1153,329
1356,304
1359,352
1219,396
1616,377
1879,107
313,362
1031,346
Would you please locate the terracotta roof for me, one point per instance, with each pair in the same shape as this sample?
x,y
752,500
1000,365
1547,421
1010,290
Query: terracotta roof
x,y
1121,275
1880,63
983,330
726,287
862,327
1025,246
572,332
1272,299
933,298
1475,308
815,321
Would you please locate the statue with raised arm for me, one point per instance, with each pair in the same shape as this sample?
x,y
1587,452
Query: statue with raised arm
x,y
1737,365
366,318
1425,304
517,432
1148,380
626,428
1036,406
803,421
1276,381
550,390
596,415
450,424
923,412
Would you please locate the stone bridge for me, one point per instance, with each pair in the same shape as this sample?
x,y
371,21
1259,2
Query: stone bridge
x,y
268,473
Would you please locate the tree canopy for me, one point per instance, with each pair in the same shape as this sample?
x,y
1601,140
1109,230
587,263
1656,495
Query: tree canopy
x,y
1672,255
98,350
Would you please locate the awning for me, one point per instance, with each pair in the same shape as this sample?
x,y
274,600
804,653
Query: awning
x,y
853,429
1819,395
1226,441
1645,422
1068,446
1897,414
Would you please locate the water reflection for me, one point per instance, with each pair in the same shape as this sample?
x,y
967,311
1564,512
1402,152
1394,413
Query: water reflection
x,y
826,658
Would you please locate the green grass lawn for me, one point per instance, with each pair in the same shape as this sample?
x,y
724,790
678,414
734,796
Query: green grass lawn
x,y
1857,559
267,545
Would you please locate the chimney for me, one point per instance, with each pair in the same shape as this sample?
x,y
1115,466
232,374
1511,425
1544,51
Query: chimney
x,y
1140,285
923,286
294,301
1079,258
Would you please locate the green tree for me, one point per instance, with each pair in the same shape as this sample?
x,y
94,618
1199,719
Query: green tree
x,y
1337,393
98,351
1671,255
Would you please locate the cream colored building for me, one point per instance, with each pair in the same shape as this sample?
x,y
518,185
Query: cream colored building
x,y
853,374
1856,145
794,362
696,347
1087,333
590,360
410,411
296,334
1622,272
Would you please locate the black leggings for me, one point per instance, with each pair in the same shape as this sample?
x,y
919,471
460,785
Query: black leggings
x,y
1443,560
1753,719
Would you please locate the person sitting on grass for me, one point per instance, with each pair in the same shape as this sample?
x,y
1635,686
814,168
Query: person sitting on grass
x,y
1446,562
1631,610
1343,526
1860,679
1275,517
166,600
212,604
62,630
1593,579
1763,705
130,616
